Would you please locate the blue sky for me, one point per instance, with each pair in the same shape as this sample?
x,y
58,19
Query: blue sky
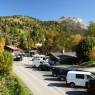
x,y
49,9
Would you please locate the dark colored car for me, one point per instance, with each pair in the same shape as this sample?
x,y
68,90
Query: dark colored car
x,y
44,67
56,71
61,73
91,87
18,57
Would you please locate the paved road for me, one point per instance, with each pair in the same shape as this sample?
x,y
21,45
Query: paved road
x,y
41,83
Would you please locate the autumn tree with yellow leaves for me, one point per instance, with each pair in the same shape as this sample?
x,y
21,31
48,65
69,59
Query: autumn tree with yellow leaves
x,y
2,44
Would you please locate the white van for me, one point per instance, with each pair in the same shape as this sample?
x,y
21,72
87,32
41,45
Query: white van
x,y
39,60
78,78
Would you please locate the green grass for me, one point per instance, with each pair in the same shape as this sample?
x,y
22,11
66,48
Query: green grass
x,y
24,89
12,85
89,64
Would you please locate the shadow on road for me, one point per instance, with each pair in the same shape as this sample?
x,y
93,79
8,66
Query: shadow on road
x,y
47,75
76,93
57,85
28,66
51,79
63,84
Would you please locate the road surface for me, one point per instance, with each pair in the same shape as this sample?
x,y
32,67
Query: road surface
x,y
41,83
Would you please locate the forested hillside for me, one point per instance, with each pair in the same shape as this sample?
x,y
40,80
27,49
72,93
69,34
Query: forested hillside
x,y
25,32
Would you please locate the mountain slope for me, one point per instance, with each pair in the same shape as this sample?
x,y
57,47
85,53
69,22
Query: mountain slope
x,y
25,31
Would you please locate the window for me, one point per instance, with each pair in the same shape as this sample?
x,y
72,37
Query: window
x,y
44,58
88,76
80,76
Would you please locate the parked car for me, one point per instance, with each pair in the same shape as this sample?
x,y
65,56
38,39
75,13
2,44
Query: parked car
x,y
41,62
91,86
78,78
56,71
61,72
44,66
18,57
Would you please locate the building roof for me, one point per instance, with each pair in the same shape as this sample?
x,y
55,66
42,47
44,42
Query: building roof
x,y
59,55
37,55
70,54
56,54
65,53
12,47
33,50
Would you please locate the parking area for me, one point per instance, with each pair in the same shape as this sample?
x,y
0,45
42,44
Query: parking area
x,y
42,82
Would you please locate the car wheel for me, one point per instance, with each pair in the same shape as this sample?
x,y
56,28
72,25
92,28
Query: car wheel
x,y
87,85
40,69
62,78
34,66
54,75
72,85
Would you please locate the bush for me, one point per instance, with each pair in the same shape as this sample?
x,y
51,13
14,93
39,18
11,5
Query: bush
x,y
88,64
9,84
92,54
84,47
5,63
13,86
